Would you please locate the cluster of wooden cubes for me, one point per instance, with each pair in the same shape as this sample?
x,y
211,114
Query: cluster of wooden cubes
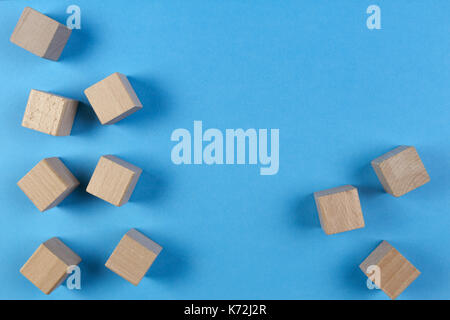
x,y
112,98
399,171
50,181
51,263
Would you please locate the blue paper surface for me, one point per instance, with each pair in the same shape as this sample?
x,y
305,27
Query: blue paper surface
x,y
339,93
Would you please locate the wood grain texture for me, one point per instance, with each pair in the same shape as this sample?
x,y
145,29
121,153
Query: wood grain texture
x,y
339,209
49,113
113,180
396,272
133,256
113,98
48,183
47,267
40,34
400,170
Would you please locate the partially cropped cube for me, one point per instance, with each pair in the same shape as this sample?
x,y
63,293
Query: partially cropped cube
x,y
400,170
49,113
40,34
133,256
48,183
389,270
113,180
339,209
49,265
113,98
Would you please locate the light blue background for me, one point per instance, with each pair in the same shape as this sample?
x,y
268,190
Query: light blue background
x,y
340,94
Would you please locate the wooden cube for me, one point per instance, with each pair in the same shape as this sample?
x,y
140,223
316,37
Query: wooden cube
x,y
400,170
48,183
133,256
49,113
40,34
113,180
395,272
48,267
113,98
339,209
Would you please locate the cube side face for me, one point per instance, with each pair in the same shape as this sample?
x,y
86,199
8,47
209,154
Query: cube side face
x,y
58,42
402,173
130,260
123,115
67,118
43,186
123,163
339,212
381,177
389,154
144,240
34,32
49,113
45,270
62,172
63,252
129,89
112,182
129,189
111,99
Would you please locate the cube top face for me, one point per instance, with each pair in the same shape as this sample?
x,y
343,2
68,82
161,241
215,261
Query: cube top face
x,y
49,113
396,273
113,180
113,98
40,34
339,209
401,170
48,183
47,267
133,256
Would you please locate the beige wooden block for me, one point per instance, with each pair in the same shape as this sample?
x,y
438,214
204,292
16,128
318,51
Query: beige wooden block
x,y
48,267
339,209
113,98
400,170
48,183
113,180
40,34
393,272
133,256
49,113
